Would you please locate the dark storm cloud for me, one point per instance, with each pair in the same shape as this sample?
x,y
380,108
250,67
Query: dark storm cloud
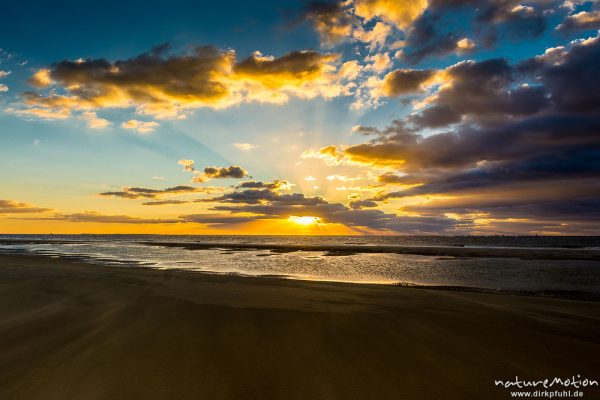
x,y
586,209
405,81
521,21
424,38
572,78
474,91
437,116
481,90
515,151
561,82
577,164
468,146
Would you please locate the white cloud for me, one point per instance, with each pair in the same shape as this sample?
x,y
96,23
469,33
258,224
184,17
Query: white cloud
x,y
93,121
188,165
140,126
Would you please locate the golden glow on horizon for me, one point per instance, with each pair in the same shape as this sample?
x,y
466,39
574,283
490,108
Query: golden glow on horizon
x,y
261,227
305,220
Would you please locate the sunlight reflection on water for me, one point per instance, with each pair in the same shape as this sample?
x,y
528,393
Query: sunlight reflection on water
x,y
489,273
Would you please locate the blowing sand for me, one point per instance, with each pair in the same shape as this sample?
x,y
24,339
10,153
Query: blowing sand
x,y
74,331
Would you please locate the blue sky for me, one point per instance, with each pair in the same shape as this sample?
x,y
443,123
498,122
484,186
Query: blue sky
x,y
412,63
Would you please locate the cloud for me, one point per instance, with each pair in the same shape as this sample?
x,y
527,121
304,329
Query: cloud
x,y
427,35
583,20
41,78
523,21
398,12
304,74
3,87
517,142
570,76
379,62
375,37
140,126
405,81
359,204
465,45
96,217
233,172
245,146
469,90
220,220
42,113
274,186
423,40
350,69
338,213
268,204
93,121
165,202
15,207
481,90
163,85
261,196
332,21
139,192
188,165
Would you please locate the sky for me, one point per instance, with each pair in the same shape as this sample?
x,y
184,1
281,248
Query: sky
x,y
386,117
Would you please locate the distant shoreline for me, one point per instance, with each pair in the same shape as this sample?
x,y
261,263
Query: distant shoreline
x,y
461,250
558,294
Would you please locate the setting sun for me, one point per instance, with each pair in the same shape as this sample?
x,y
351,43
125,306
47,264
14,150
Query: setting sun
x,y
304,220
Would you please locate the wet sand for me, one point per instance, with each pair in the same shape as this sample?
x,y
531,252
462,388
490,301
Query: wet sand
x,y
74,331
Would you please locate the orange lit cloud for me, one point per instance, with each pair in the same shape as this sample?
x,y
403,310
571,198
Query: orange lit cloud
x,y
332,20
140,126
398,12
15,207
166,86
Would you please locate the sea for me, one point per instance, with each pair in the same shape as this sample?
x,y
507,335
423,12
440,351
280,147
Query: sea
x,y
554,266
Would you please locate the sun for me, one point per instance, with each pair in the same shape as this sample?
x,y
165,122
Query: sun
x,y
306,220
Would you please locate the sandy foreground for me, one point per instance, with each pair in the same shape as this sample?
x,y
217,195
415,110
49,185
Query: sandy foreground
x,y
74,331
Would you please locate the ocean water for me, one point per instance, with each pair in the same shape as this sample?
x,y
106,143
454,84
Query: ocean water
x,y
556,266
